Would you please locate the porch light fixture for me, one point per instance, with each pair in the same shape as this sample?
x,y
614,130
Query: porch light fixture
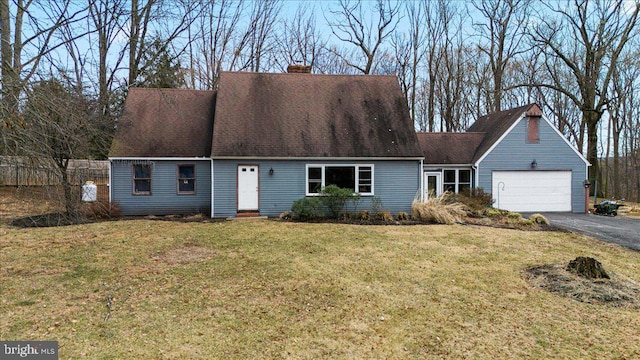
x,y
534,164
271,171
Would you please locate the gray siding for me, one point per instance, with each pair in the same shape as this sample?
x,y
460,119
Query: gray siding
x,y
164,198
395,183
551,153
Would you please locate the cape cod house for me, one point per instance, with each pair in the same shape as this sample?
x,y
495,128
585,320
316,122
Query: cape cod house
x,y
261,142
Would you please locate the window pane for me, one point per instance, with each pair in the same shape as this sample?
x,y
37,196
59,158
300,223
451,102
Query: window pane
x,y
187,185
364,174
464,176
463,187
315,187
142,186
315,173
343,176
450,176
365,179
186,171
142,171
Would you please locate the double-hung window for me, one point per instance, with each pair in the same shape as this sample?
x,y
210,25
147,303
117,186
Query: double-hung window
x,y
358,178
142,179
457,180
186,179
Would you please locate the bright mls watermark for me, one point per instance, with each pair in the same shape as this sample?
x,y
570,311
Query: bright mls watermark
x,y
32,350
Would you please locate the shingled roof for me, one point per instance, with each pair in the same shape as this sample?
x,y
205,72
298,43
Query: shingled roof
x,y
165,123
469,146
449,148
310,115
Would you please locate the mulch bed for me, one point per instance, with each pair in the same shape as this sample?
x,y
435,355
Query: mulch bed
x,y
617,291
48,220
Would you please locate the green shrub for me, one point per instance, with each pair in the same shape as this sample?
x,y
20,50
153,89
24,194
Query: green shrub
x,y
306,208
334,198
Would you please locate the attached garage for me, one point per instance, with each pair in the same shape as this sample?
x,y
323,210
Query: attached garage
x,y
532,191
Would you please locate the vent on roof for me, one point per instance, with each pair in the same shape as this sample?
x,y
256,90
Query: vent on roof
x,y
299,69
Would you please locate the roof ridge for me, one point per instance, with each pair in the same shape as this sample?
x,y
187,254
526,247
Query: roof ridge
x,y
309,74
167,89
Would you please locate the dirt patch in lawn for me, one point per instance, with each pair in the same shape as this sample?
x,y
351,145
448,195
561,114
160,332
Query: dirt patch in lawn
x,y
617,291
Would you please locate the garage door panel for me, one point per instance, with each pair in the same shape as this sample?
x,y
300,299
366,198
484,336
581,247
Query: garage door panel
x,y
532,191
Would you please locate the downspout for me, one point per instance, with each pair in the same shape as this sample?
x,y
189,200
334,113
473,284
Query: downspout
x,y
421,175
212,191
475,175
109,184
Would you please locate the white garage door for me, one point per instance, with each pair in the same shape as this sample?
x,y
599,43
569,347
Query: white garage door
x,y
532,191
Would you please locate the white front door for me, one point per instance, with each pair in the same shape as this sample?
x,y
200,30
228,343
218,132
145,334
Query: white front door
x,y
432,185
248,190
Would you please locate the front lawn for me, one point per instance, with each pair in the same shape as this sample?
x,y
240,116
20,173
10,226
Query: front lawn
x,y
266,289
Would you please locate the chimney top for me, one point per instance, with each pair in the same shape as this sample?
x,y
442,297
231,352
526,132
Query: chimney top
x,y
299,69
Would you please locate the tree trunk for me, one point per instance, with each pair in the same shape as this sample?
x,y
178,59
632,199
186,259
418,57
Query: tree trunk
x,y
587,267
591,119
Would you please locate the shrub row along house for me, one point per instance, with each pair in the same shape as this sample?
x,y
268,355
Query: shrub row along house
x,y
262,141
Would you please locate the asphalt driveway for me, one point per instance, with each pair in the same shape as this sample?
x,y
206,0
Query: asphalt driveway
x,y
620,230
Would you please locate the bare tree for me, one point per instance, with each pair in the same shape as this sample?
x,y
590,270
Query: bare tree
x,y
58,128
587,38
623,114
409,52
332,61
502,32
300,40
167,20
215,43
350,26
453,82
28,35
107,19
264,16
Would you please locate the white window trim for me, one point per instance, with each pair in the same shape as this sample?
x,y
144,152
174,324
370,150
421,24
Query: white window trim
x,y
456,187
357,179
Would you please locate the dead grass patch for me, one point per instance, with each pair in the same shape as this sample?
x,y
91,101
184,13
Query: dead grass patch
x,y
185,255
272,289
618,291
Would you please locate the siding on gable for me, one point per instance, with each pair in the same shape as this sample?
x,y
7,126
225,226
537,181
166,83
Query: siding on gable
x,y
551,153
164,198
395,183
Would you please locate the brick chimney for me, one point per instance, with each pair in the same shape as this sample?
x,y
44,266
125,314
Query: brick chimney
x,y
299,69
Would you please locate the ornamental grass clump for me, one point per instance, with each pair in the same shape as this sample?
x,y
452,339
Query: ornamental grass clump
x,y
438,210
539,219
